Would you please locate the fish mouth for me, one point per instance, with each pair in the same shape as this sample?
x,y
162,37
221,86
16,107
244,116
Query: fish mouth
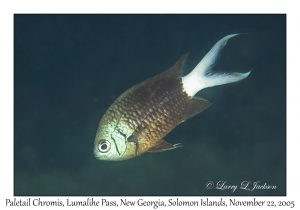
x,y
100,156
96,153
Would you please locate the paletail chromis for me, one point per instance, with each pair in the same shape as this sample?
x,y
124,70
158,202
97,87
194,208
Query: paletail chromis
x,y
141,117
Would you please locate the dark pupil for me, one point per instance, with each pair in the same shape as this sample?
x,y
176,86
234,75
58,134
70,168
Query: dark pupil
x,y
104,146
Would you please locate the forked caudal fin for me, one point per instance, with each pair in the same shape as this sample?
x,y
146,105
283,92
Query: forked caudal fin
x,y
202,76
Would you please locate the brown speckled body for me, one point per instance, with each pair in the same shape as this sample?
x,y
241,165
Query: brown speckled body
x,y
140,118
152,109
148,111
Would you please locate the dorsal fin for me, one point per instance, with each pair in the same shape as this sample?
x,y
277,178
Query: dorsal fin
x,y
172,73
176,70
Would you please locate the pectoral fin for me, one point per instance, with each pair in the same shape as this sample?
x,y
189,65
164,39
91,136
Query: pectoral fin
x,y
135,138
162,146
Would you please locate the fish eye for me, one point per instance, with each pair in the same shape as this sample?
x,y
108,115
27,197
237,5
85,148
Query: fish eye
x,y
104,146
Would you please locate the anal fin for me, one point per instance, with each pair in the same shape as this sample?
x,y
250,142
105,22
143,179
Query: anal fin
x,y
195,106
162,146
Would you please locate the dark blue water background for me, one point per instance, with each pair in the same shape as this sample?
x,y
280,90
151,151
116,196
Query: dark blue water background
x,y
68,69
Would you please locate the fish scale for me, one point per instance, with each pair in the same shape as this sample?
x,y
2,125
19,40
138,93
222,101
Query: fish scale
x,y
148,114
142,116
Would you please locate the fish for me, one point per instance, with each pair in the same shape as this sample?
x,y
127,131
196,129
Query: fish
x,y
142,116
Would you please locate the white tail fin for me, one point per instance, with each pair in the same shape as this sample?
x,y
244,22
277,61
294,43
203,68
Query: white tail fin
x,y
202,77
